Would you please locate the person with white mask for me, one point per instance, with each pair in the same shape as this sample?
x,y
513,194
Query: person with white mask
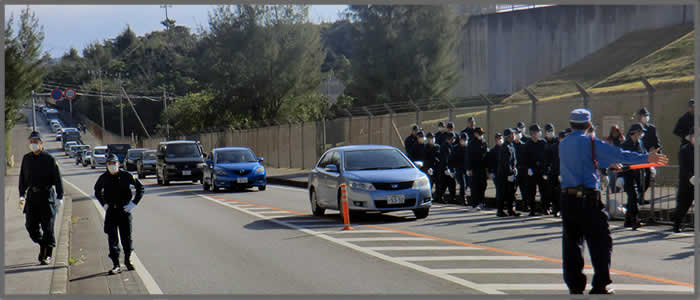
x,y
113,188
651,142
40,181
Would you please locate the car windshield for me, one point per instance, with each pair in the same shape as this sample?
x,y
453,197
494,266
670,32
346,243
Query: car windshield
x,y
381,159
234,156
182,150
135,153
150,156
100,151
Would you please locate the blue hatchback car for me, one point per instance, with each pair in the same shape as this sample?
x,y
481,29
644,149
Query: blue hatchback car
x,y
233,168
378,178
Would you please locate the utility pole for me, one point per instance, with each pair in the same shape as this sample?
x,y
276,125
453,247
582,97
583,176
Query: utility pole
x,y
102,100
167,119
33,113
121,107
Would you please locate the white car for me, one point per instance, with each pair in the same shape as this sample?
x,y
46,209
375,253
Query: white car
x,y
98,157
66,148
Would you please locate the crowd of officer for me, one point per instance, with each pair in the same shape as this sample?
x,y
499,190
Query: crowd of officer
x,y
527,158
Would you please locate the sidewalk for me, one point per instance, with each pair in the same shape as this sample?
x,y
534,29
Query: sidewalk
x,y
23,274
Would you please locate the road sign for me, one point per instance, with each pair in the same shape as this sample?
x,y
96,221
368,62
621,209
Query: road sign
x,y
70,94
57,94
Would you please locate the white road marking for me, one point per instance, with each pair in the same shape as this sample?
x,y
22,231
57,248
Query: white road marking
x,y
448,258
507,271
454,279
660,288
418,248
311,221
276,212
259,208
288,188
383,239
356,231
148,281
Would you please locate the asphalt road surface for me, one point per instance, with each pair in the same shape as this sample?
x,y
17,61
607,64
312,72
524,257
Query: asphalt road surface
x,y
191,241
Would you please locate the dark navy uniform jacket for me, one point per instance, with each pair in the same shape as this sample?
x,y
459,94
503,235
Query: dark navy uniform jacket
x,y
39,172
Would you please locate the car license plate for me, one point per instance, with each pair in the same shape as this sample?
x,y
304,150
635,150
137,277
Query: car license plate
x,y
395,199
188,172
242,180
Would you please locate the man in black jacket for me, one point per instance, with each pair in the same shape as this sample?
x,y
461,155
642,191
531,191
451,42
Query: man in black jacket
x,y
551,198
506,175
686,182
535,161
651,142
469,130
458,161
477,167
519,143
418,148
410,141
113,188
38,174
685,123
432,159
445,170
633,178
492,156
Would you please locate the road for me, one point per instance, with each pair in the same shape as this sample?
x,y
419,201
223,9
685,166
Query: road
x,y
191,241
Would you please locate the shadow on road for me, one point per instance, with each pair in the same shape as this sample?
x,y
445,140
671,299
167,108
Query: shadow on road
x,y
30,269
101,274
682,255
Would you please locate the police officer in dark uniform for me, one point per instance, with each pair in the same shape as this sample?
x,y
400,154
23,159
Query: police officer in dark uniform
x,y
418,148
521,133
477,167
520,151
685,123
432,159
458,161
650,141
582,211
469,130
535,162
634,181
445,169
410,141
439,135
506,175
38,174
492,161
686,181
113,188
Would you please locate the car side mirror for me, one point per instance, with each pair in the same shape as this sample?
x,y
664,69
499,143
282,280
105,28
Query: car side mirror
x,y
418,164
332,168
261,159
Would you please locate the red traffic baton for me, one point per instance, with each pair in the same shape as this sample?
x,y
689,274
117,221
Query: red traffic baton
x,y
640,166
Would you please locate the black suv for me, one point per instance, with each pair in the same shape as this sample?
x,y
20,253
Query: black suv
x,y
179,161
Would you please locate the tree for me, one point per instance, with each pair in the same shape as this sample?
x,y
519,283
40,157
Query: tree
x,y
258,57
403,52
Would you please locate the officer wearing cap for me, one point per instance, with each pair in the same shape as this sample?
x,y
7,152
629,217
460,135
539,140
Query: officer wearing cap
x,y
411,140
535,161
40,181
686,180
477,166
634,181
685,123
459,162
432,158
651,140
469,130
445,169
520,151
582,211
492,156
113,188
446,134
551,196
439,139
521,132
418,148
506,175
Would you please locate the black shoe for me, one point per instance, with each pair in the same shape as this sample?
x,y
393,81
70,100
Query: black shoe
x,y
500,213
513,213
677,228
128,265
47,256
576,292
42,254
603,291
115,270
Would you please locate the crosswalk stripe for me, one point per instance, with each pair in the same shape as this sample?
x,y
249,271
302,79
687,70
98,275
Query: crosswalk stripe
x,y
506,271
381,239
412,248
562,287
259,208
447,258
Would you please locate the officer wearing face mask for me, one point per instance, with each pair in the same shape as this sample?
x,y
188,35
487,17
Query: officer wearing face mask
x,y
551,195
113,188
445,169
634,181
506,175
521,137
38,174
492,156
520,151
418,148
441,134
535,161
477,168
432,158
459,162
650,141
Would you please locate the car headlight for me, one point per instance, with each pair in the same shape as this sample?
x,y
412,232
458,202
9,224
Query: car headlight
x,y
260,170
365,186
220,172
421,183
172,167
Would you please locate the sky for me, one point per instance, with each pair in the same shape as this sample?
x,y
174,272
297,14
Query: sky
x,y
77,26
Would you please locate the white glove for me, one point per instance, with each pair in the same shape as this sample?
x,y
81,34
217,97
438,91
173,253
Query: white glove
x,y
20,204
430,171
604,181
452,174
511,178
129,207
653,172
60,202
447,172
692,180
529,172
492,176
559,178
544,177
469,173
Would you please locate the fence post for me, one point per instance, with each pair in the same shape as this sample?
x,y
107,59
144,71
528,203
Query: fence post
x,y
349,136
533,106
489,104
584,94
450,110
302,144
369,118
390,127
277,144
290,144
417,113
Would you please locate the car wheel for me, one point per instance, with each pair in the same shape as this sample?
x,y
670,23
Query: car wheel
x,y
214,188
92,166
205,185
262,188
421,213
315,208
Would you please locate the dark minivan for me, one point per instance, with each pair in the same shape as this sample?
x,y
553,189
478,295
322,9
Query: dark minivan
x,y
179,161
